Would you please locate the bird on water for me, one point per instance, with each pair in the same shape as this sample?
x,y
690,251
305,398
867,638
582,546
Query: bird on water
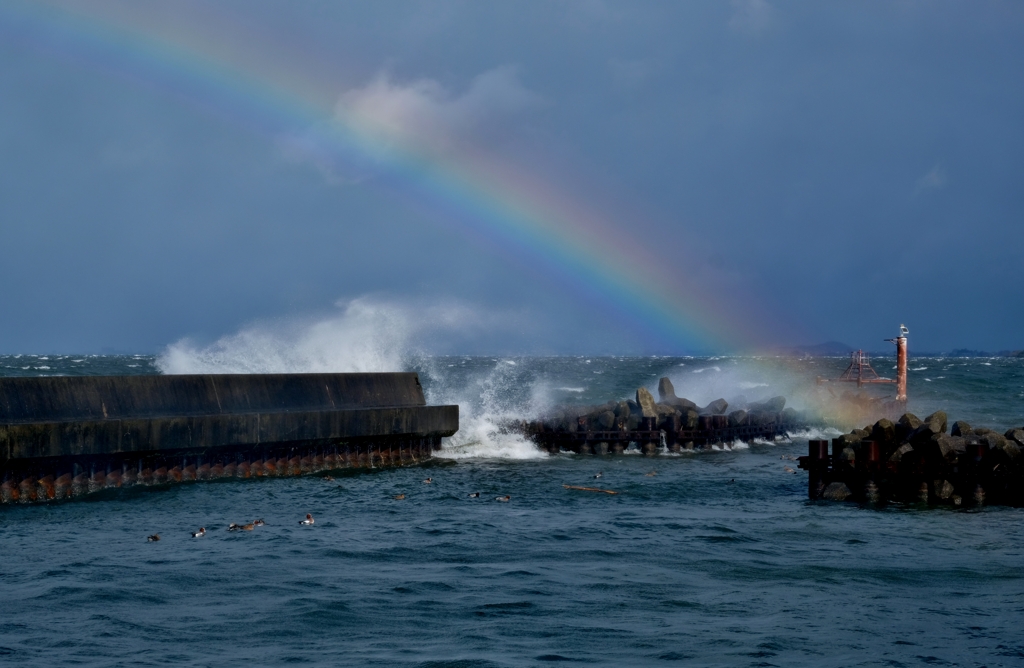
x,y
242,527
309,519
398,497
503,499
200,533
474,495
599,474
428,481
154,538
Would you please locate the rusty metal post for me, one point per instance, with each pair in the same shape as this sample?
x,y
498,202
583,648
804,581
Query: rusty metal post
x,y
817,460
874,455
901,368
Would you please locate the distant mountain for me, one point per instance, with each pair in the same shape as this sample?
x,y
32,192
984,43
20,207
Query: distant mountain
x,y
967,352
827,349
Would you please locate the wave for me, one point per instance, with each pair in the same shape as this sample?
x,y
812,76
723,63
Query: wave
x,y
368,335
815,434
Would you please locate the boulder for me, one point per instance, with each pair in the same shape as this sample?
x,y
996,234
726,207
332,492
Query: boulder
x,y
716,407
861,434
937,421
848,440
668,423
791,416
634,408
737,418
1012,450
689,418
905,425
910,420
773,405
960,428
622,410
645,400
943,489
632,423
994,440
836,491
1016,435
981,431
664,410
604,421
760,418
947,448
999,442
682,403
665,390
883,431
897,456
933,425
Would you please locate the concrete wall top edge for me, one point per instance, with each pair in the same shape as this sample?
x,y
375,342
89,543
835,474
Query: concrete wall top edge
x,y
71,398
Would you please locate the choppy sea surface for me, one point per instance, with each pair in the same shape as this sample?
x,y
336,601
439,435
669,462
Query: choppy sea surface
x,y
713,558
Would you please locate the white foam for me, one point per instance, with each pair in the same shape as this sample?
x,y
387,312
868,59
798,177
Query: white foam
x,y
479,438
571,389
486,402
815,434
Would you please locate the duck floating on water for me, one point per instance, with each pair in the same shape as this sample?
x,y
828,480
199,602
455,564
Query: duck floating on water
x,y
474,495
398,497
598,474
152,539
242,527
200,533
503,499
428,481
309,519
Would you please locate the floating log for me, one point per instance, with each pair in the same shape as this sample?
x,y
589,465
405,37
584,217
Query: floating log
x,y
590,489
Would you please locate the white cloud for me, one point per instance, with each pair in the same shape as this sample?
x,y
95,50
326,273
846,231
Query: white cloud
x,y
424,111
933,180
751,16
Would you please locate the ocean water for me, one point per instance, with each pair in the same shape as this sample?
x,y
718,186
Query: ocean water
x,y
712,558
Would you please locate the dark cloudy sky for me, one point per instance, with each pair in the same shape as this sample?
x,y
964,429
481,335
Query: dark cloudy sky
x,y
829,170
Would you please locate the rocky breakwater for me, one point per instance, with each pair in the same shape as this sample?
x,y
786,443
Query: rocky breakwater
x,y
917,461
670,424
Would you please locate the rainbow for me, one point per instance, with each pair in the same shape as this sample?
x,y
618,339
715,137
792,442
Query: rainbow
x,y
490,200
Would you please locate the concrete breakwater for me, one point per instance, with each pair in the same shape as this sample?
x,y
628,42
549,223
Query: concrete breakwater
x,y
65,436
917,461
671,422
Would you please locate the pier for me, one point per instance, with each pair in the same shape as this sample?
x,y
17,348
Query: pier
x,y
672,424
65,436
916,461
652,441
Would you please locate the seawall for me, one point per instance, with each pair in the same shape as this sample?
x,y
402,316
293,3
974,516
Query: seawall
x,y
63,436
